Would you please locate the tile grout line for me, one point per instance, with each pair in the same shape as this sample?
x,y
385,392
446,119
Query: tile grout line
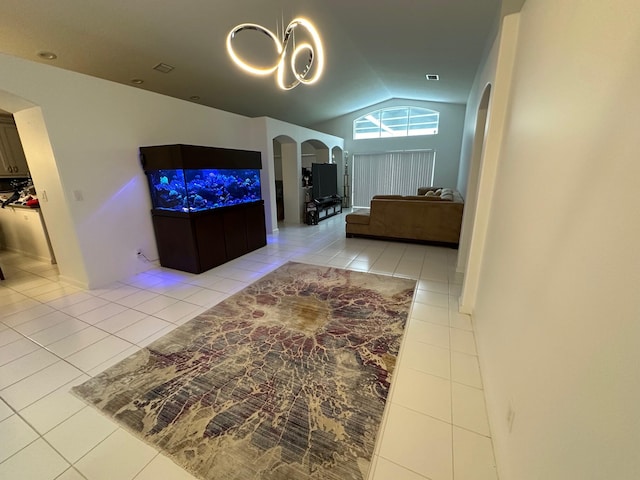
x,y
453,452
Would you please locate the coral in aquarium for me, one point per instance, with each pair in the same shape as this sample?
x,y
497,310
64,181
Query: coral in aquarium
x,y
221,188
204,189
168,193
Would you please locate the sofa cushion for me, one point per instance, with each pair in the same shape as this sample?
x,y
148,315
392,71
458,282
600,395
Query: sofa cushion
x,y
438,194
359,218
424,190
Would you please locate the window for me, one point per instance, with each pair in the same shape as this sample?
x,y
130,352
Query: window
x,y
397,173
396,122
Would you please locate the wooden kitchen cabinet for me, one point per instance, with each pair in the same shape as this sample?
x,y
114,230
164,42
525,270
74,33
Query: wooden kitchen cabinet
x,y
13,163
23,230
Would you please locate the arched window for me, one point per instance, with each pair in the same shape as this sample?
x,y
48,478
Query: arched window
x,y
396,122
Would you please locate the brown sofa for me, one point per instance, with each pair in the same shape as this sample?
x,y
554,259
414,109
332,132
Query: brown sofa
x,y
432,216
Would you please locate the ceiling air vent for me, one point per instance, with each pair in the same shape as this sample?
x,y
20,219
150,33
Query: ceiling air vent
x,y
432,76
163,67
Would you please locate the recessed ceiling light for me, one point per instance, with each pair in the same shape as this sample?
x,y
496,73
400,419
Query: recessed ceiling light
x,y
47,55
137,81
194,97
163,67
432,76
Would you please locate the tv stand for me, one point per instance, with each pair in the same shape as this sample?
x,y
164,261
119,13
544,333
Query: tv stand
x,y
328,206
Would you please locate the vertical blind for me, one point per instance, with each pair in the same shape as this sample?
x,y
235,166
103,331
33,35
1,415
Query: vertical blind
x,y
391,173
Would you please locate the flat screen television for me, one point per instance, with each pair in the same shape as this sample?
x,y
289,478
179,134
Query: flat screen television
x,y
325,180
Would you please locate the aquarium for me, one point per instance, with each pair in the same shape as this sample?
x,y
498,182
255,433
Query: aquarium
x,y
193,190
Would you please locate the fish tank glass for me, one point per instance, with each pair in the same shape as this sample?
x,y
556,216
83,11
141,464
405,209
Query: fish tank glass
x,y
194,190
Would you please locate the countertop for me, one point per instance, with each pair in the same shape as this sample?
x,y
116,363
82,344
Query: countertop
x,y
25,207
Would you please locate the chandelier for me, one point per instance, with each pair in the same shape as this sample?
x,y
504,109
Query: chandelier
x,y
312,67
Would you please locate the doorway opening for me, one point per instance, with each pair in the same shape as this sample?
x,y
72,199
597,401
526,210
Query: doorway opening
x,y
23,229
468,218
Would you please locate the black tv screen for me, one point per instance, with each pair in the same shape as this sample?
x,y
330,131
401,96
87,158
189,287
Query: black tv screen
x,y
325,179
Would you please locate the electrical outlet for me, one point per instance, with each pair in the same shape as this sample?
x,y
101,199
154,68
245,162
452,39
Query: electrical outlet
x,y
511,415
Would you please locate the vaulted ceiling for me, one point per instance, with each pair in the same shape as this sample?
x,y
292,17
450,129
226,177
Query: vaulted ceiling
x,y
375,49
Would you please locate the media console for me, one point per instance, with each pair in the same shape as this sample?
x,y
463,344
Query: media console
x,y
322,208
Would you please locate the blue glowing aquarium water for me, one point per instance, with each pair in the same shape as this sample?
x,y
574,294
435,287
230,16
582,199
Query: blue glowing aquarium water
x,y
194,190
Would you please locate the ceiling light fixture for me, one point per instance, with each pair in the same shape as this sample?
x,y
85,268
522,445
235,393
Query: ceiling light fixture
x,y
315,53
432,76
47,55
137,81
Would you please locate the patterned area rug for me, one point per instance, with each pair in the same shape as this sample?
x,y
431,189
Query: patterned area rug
x,y
286,379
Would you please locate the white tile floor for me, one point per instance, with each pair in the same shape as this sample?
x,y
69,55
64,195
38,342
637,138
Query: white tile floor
x,y
54,335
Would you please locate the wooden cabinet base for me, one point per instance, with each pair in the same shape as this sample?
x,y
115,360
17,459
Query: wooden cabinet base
x,y
197,242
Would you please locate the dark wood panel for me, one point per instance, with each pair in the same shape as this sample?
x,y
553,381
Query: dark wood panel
x,y
235,233
256,227
209,230
176,243
198,241
178,156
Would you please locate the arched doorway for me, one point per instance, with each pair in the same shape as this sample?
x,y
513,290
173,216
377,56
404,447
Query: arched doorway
x,y
285,158
34,137
471,201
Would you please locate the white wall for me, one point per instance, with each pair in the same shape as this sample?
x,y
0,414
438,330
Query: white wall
x,y
496,73
52,196
557,315
446,143
94,131
81,137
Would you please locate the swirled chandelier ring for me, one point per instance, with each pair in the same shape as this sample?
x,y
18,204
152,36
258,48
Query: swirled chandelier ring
x,y
314,52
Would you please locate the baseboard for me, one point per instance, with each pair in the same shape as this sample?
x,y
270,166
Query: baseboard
x,y
46,259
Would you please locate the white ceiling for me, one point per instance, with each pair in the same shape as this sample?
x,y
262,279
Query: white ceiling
x,y
375,49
